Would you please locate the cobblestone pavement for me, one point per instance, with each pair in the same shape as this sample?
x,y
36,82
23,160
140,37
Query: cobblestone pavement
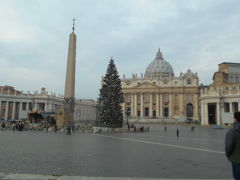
x,y
157,154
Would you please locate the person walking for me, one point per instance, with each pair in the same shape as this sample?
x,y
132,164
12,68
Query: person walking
x,y
232,146
177,132
55,128
68,130
3,126
165,128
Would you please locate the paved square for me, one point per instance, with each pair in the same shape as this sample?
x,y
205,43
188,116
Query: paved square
x,y
157,154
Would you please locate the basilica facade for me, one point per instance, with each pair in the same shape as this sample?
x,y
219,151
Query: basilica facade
x,y
160,95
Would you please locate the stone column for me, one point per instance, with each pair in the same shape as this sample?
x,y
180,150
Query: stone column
x,y
124,109
151,106
142,105
218,114
202,114
161,106
170,105
45,106
195,106
0,109
35,106
20,107
157,105
6,111
135,105
132,105
230,106
14,110
206,113
27,106
54,105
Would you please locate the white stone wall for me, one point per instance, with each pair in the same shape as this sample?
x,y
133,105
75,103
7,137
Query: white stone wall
x,y
219,96
49,102
85,110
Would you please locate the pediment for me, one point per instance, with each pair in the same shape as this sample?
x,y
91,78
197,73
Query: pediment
x,y
146,85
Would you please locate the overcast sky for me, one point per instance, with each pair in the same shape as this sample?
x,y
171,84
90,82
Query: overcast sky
x,y
194,35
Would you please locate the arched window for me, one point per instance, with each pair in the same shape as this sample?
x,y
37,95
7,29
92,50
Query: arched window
x,y
189,109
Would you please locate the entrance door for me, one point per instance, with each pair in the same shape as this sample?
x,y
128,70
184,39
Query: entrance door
x,y
146,111
212,113
165,112
154,114
189,109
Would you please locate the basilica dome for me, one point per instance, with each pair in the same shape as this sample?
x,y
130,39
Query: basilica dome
x,y
159,68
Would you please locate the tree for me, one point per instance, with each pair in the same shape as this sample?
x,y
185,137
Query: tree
x,y
110,98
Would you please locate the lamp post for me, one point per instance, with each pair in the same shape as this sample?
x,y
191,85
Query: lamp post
x,y
127,114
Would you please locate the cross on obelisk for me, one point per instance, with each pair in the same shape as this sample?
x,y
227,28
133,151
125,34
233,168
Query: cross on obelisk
x,y
73,28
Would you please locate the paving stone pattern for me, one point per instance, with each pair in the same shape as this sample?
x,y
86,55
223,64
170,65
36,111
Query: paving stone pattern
x,y
156,154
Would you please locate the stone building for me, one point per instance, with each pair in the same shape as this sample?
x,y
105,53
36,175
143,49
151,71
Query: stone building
x,y
222,98
85,113
160,95
15,105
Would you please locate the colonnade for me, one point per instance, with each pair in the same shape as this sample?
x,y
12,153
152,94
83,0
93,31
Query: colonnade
x,y
158,106
219,111
135,107
15,109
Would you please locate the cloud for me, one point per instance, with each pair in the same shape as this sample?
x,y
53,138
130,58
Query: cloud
x,y
28,78
13,29
195,35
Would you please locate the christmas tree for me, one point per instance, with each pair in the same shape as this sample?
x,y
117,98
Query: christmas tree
x,y
110,98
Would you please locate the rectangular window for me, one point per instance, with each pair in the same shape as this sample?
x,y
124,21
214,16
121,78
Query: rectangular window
x,y
146,98
30,107
138,113
226,107
24,106
189,81
165,98
235,106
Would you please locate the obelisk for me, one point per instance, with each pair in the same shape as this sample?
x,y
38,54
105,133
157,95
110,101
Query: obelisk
x,y
69,92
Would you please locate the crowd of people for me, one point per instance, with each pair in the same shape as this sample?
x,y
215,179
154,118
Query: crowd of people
x,y
133,128
14,126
